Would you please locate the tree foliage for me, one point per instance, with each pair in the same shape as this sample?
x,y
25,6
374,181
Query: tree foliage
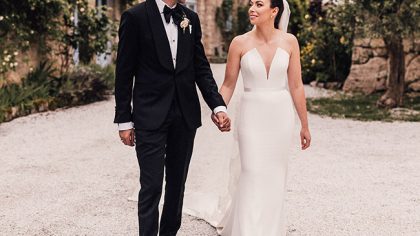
x,y
390,20
385,19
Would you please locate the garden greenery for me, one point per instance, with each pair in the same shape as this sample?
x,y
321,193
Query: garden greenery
x,y
54,29
49,26
41,90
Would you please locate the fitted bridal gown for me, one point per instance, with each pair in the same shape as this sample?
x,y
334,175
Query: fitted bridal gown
x,y
265,128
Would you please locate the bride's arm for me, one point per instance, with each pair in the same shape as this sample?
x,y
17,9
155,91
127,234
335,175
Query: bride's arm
x,y
297,91
232,70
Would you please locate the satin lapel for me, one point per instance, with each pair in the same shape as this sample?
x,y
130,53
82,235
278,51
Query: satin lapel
x,y
159,35
182,48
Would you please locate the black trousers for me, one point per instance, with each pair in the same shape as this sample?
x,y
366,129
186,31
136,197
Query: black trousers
x,y
167,149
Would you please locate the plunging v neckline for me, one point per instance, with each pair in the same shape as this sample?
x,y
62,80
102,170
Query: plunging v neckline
x,y
267,71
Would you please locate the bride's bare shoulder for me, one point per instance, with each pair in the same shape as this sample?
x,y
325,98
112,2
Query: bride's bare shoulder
x,y
242,39
290,39
239,43
281,35
288,42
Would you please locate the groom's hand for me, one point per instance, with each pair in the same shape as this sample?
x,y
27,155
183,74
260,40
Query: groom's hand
x,y
222,121
127,137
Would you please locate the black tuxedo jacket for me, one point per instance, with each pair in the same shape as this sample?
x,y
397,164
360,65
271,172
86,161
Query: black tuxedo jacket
x,y
144,53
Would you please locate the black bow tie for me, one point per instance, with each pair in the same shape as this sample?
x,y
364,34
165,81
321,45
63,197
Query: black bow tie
x,y
174,12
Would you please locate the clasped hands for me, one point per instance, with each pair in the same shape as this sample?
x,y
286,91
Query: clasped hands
x,y
222,121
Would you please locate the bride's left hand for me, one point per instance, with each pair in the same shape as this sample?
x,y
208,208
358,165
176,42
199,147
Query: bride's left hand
x,y
305,138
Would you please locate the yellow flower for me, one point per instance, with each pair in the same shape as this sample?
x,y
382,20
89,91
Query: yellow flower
x,y
313,61
342,40
306,16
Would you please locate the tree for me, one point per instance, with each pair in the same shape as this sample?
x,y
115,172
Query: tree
x,y
391,20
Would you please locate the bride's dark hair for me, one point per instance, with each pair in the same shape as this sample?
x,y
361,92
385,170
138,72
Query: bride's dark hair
x,y
280,5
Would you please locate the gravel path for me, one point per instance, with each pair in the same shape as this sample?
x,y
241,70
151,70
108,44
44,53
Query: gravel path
x,y
66,173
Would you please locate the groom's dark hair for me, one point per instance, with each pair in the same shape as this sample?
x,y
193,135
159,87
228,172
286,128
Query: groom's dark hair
x,y
280,5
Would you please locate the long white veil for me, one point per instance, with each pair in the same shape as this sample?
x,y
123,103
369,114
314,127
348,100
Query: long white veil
x,y
285,16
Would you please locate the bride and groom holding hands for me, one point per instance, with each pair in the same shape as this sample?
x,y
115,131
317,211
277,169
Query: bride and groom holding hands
x,y
158,112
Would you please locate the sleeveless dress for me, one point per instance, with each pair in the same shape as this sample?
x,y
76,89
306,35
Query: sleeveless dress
x,y
265,129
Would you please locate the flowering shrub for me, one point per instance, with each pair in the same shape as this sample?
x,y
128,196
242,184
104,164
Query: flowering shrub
x,y
53,28
23,23
49,24
326,42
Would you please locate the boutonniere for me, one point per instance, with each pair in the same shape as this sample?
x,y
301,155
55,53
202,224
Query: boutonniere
x,y
185,23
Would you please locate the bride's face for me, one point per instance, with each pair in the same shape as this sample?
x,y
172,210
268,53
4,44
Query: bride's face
x,y
260,12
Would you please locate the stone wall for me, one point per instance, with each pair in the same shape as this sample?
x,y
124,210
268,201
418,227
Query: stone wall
x,y
370,66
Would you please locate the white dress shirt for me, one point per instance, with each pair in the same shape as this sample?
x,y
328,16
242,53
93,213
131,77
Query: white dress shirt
x,y
172,33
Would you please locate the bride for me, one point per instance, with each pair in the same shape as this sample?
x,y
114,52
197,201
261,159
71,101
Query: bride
x,y
269,60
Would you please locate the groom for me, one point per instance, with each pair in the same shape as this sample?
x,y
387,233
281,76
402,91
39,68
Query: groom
x,y
160,46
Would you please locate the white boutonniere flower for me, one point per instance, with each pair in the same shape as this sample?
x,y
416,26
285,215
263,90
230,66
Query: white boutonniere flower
x,y
185,23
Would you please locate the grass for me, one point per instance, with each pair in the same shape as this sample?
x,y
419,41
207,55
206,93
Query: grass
x,y
361,107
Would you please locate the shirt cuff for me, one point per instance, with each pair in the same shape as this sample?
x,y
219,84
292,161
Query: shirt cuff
x,y
125,126
220,109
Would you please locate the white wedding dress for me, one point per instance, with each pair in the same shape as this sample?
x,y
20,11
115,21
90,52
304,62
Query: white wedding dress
x,y
265,129
253,204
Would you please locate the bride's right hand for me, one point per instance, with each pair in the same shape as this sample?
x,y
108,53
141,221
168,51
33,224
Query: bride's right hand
x,y
305,138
